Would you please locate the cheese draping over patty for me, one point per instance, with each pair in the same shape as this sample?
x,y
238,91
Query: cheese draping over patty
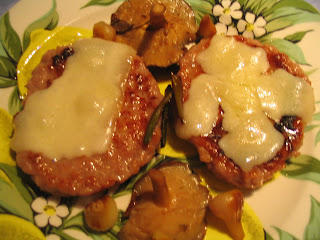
x,y
75,116
235,78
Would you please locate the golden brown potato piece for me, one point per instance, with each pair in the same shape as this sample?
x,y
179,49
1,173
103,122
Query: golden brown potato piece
x,y
153,215
160,39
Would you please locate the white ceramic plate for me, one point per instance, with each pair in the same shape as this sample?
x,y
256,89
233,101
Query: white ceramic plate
x,y
288,207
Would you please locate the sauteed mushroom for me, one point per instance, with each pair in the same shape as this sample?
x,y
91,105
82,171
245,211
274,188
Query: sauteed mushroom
x,y
167,203
157,29
228,207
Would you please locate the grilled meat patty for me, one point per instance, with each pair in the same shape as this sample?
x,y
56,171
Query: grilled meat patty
x,y
126,153
291,127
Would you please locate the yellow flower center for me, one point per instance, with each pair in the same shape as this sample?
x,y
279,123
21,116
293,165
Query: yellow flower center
x,y
227,11
49,210
249,27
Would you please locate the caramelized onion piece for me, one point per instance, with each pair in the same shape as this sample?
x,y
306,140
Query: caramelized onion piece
x,y
102,214
228,207
104,31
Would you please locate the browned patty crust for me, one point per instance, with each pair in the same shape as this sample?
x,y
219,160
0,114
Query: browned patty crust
x,y
291,127
126,154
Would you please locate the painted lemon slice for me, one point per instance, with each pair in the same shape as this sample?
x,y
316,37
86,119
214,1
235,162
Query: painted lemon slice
x,y
15,228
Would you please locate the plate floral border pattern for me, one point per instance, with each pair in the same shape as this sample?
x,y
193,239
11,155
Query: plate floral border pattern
x,y
61,217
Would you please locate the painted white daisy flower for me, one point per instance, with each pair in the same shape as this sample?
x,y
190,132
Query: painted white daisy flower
x,y
227,11
226,30
252,27
49,211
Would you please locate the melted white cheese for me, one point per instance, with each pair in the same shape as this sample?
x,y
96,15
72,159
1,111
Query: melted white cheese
x,y
235,78
292,96
75,116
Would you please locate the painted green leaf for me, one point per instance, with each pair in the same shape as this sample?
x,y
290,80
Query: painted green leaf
x,y
311,127
316,116
99,236
7,82
297,37
289,48
317,139
201,8
283,235
76,220
288,16
312,229
3,51
16,179
111,236
311,71
99,2
104,236
9,39
265,38
15,104
13,202
49,21
298,4
268,236
63,235
303,167
243,3
258,7
7,68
